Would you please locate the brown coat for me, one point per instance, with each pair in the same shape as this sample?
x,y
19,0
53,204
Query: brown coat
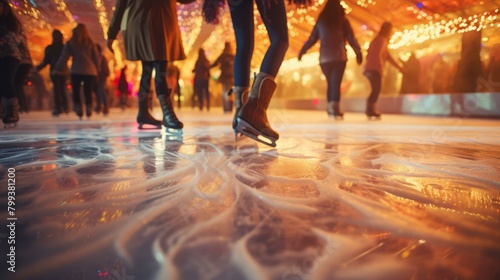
x,y
150,29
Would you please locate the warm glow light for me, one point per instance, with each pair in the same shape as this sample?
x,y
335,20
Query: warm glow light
x,y
432,30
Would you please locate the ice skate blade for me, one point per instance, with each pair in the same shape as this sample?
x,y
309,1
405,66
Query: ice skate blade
x,y
246,129
336,117
173,131
147,126
9,125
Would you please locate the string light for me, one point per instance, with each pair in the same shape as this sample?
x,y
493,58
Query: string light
x,y
433,30
61,7
190,29
365,3
190,22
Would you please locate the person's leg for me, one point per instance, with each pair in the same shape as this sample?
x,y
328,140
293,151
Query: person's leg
x,y
101,95
76,81
206,94
19,81
88,86
56,95
8,68
226,99
273,14
163,93
252,118
143,116
336,75
375,80
61,85
243,25
327,69
198,92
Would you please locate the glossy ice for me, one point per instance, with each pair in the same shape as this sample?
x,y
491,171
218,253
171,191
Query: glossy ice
x,y
401,198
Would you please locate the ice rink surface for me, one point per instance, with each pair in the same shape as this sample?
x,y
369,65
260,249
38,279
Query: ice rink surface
x,y
405,197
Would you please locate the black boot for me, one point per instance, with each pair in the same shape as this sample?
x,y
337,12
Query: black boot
x,y
170,120
252,118
11,111
144,117
334,110
370,111
240,98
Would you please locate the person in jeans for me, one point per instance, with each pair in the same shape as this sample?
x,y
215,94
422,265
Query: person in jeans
x,y
378,54
84,67
333,29
226,78
201,78
52,54
250,116
100,85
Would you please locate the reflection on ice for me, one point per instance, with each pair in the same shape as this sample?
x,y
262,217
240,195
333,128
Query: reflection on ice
x,y
349,200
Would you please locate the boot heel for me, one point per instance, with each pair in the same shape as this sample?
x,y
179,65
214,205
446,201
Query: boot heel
x,y
170,120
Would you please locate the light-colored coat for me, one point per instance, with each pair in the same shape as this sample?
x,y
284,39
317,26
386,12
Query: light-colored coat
x,y
150,29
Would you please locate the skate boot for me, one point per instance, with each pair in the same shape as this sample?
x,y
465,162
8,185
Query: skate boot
x,y
240,98
144,117
170,121
252,118
334,110
370,111
11,112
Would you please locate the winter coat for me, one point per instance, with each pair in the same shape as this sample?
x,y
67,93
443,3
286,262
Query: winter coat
x,y
226,61
23,49
86,59
103,72
9,44
332,41
150,29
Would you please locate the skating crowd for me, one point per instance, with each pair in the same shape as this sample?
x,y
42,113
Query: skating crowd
x,y
152,36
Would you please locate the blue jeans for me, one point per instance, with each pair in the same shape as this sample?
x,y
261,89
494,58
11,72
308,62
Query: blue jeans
x,y
273,15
